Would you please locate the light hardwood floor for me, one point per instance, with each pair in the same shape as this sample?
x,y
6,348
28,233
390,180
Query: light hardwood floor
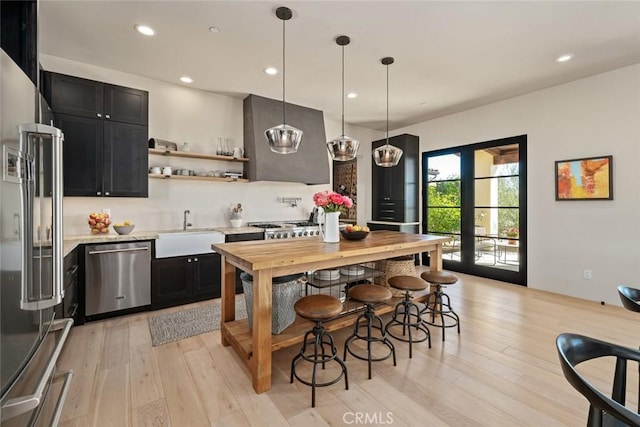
x,y
502,370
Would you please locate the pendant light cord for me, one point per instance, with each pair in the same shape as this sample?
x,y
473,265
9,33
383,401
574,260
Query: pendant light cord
x,y
284,122
342,94
387,104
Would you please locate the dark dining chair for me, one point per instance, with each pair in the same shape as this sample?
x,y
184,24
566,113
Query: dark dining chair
x,y
630,298
603,410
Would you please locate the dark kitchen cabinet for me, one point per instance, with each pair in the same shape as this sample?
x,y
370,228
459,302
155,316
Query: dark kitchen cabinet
x,y
70,303
105,153
19,34
182,280
395,189
96,100
103,158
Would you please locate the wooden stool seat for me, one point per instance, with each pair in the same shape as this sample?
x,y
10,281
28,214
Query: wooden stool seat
x,y
318,307
370,294
439,277
407,283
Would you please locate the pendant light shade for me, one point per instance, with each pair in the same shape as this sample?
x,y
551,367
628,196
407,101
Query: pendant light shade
x,y
343,147
387,155
283,139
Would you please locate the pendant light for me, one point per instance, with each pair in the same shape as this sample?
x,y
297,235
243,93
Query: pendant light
x,y
344,147
283,139
387,155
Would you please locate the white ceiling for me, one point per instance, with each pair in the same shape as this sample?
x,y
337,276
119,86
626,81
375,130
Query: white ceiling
x,y
450,56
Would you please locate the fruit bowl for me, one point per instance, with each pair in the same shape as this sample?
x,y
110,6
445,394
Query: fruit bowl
x,y
354,235
124,229
99,222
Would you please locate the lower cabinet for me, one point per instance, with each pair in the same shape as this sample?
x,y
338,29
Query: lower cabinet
x,y
181,280
70,305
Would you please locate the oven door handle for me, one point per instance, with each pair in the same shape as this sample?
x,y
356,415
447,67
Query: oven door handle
x,y
19,405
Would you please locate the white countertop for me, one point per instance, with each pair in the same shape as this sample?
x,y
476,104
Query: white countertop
x,y
72,241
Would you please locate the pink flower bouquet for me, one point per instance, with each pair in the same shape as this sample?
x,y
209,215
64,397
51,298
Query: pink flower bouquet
x,y
330,201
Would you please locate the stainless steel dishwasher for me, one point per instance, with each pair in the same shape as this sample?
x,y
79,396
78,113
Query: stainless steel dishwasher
x,y
118,276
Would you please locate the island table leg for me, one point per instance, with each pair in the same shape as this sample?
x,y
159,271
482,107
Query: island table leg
x,y
228,297
435,258
261,357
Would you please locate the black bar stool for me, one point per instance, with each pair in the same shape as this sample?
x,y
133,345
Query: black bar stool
x,y
318,308
369,295
438,303
409,313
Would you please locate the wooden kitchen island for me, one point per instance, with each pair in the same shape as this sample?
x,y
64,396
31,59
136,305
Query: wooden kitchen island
x,y
265,259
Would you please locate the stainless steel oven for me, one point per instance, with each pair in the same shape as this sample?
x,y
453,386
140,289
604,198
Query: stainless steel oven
x,y
287,229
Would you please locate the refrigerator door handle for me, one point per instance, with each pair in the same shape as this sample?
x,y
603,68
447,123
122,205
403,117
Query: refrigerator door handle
x,y
56,137
57,217
20,405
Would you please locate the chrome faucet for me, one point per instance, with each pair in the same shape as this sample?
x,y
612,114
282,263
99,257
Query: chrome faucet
x,y
186,224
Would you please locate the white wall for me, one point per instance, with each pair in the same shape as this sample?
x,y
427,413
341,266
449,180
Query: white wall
x,y
178,113
594,116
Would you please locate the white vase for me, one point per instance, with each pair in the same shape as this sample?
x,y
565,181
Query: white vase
x,y
329,227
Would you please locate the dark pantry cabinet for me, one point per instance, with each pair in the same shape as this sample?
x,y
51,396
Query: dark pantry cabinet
x,y
106,133
395,189
181,280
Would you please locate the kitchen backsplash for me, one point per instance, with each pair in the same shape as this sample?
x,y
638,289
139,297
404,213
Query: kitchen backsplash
x,y
209,203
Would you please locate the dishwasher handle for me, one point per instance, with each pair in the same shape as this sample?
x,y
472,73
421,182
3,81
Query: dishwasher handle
x,y
113,251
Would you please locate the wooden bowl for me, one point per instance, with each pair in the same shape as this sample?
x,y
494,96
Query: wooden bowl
x,y
354,235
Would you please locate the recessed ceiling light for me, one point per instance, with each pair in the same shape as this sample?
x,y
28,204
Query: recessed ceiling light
x,y
186,79
352,95
564,58
423,104
214,30
271,71
143,29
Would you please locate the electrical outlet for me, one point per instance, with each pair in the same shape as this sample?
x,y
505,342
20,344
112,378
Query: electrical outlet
x,y
586,274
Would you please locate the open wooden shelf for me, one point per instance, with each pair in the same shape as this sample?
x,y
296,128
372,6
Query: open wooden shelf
x,y
369,273
197,178
188,154
241,338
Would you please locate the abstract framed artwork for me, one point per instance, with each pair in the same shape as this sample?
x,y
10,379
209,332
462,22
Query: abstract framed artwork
x,y
589,178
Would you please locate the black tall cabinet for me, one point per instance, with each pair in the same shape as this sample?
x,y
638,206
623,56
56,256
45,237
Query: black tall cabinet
x,y
395,189
106,133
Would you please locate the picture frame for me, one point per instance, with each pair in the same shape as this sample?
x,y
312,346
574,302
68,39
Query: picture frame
x,y
588,178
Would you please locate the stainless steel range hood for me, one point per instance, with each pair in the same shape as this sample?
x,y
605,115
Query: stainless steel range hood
x,y
310,165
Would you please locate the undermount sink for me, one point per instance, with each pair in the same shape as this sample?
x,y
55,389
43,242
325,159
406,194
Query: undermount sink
x,y
186,243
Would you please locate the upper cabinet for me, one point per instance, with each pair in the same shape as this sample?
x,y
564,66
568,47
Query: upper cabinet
x,y
96,100
106,134
395,189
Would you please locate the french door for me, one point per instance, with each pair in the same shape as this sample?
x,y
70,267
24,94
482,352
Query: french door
x,y
476,194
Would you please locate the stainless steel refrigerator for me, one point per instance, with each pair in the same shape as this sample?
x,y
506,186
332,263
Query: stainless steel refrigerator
x,y
31,257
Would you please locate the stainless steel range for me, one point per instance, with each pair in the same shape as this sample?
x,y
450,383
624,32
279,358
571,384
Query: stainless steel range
x,y
287,229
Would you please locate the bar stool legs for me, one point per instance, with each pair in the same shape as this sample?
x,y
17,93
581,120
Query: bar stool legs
x,y
369,295
438,302
407,314
318,347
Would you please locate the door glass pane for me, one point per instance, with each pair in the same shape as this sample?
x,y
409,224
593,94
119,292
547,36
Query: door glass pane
x,y
496,220
445,167
443,201
444,220
497,161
